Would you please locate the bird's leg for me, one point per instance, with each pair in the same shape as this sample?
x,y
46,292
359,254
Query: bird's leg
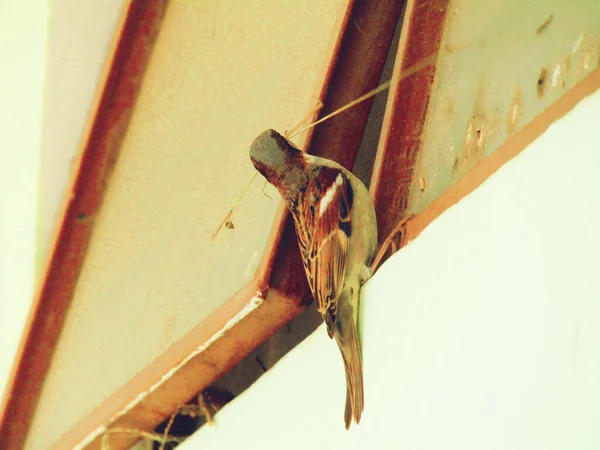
x,y
393,240
365,274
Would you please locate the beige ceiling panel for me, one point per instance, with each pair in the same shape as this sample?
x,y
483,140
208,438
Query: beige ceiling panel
x,y
221,72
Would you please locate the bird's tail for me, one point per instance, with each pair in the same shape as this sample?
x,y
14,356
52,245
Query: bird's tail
x,y
347,340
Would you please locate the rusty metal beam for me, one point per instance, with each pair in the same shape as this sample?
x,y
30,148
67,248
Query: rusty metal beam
x,y
404,120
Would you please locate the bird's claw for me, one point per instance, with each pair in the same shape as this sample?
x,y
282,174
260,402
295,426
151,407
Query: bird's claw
x,y
393,241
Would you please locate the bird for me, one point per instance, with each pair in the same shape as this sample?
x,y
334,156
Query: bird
x,y
336,227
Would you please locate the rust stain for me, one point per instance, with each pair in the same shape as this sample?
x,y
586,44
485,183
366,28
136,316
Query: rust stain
x,y
544,26
542,82
474,140
475,134
515,112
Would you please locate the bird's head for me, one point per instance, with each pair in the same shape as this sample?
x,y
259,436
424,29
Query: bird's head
x,y
278,160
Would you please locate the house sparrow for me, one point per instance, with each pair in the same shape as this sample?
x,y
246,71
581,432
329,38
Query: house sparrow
x,y
337,234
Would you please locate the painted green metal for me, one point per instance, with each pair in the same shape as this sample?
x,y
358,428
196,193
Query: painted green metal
x,y
500,64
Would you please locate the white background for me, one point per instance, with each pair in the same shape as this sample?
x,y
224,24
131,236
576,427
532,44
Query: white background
x,y
23,31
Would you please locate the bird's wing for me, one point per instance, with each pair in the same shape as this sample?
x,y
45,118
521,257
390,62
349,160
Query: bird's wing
x,y
326,242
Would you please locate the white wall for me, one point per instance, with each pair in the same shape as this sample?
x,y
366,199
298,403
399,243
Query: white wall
x,y
23,31
481,334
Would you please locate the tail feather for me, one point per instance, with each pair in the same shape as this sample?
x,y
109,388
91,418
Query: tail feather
x,y
350,349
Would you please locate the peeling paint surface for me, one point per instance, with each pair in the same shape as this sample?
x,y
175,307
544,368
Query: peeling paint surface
x,y
498,68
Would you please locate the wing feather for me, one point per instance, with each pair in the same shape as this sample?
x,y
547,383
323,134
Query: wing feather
x,y
324,236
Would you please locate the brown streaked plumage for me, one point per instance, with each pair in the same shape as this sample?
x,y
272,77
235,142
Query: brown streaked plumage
x,y
337,234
